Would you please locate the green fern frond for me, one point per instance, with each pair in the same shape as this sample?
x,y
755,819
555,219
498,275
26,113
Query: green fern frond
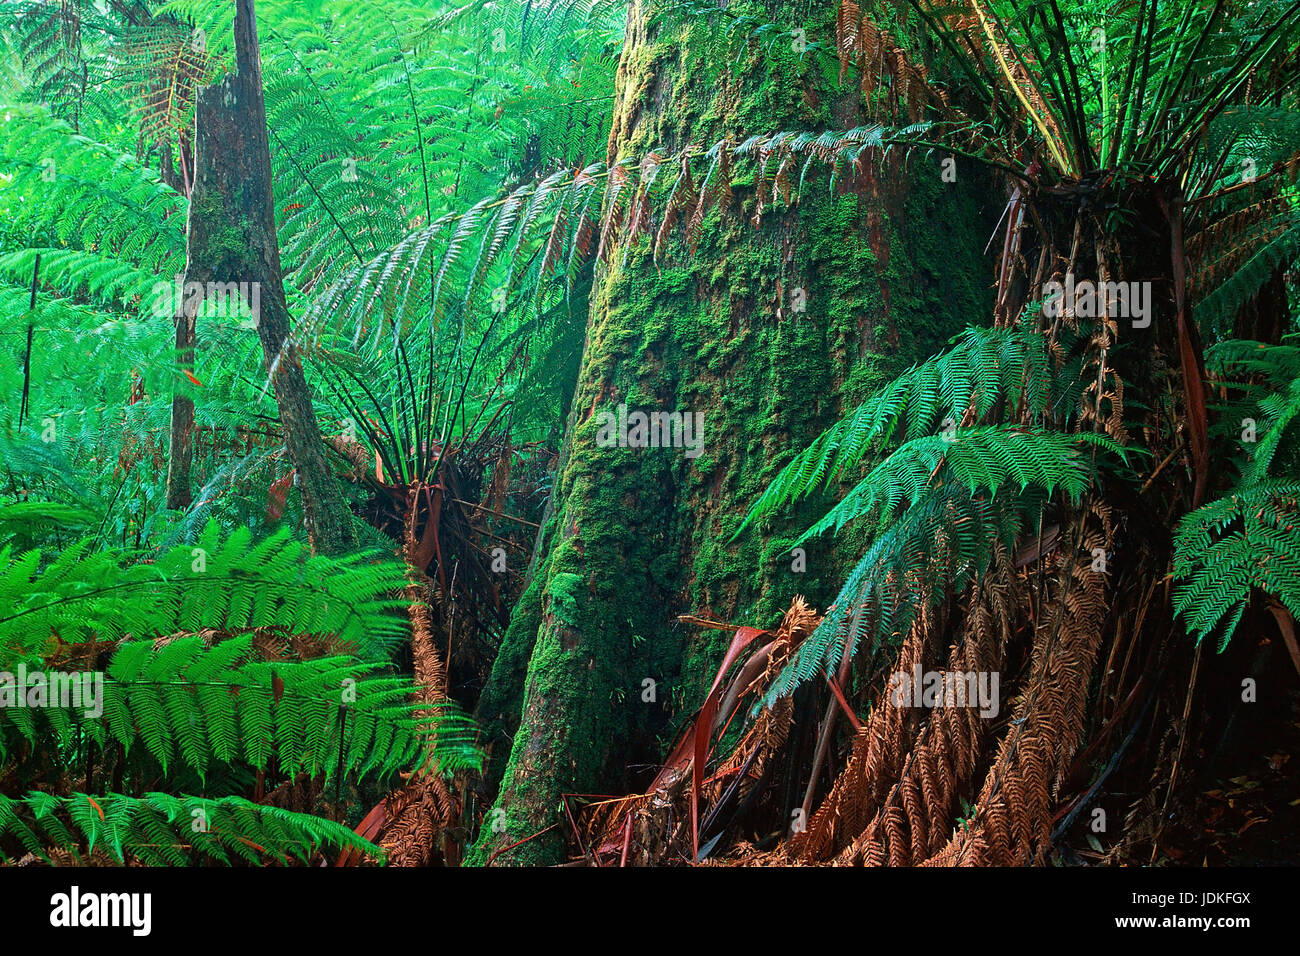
x,y
981,459
68,191
222,582
1224,550
936,547
1273,246
160,829
988,366
206,706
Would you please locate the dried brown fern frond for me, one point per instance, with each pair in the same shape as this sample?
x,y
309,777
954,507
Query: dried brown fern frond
x,y
682,197
417,818
876,54
299,793
166,63
357,455
894,802
848,40
655,827
1011,824
767,735
879,753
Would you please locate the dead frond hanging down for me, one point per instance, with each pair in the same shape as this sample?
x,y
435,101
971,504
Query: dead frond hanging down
x,y
686,805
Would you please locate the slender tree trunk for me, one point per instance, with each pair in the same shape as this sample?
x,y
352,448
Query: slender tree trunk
x,y
198,269
769,333
232,232
180,456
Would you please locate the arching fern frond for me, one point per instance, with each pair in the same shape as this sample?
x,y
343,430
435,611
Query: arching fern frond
x,y
982,459
69,191
226,583
208,705
1247,261
988,366
1222,551
936,547
160,829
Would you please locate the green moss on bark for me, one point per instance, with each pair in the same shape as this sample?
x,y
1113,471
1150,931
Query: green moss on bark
x,y
645,534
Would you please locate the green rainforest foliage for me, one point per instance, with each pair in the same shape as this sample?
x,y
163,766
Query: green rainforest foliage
x,y
396,135
495,220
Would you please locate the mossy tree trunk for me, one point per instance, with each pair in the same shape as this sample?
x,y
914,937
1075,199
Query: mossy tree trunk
x,y
231,238
770,332
180,449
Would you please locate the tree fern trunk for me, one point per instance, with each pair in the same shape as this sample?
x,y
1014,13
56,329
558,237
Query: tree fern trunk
x,y
770,332
907,798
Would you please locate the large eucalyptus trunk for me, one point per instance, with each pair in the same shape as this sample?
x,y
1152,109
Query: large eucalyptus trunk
x,y
761,337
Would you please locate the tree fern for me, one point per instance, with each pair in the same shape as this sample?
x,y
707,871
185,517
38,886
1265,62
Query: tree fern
x,y
941,496
988,366
223,582
221,704
159,829
940,518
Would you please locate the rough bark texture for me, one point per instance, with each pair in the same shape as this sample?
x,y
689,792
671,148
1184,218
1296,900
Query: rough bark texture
x,y
180,455
232,231
638,535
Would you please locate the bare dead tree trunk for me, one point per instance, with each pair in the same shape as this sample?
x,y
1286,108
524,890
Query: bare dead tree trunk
x,y
232,231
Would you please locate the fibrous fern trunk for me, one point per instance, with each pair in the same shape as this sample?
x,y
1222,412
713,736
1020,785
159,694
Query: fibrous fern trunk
x,y
945,788
180,457
418,815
